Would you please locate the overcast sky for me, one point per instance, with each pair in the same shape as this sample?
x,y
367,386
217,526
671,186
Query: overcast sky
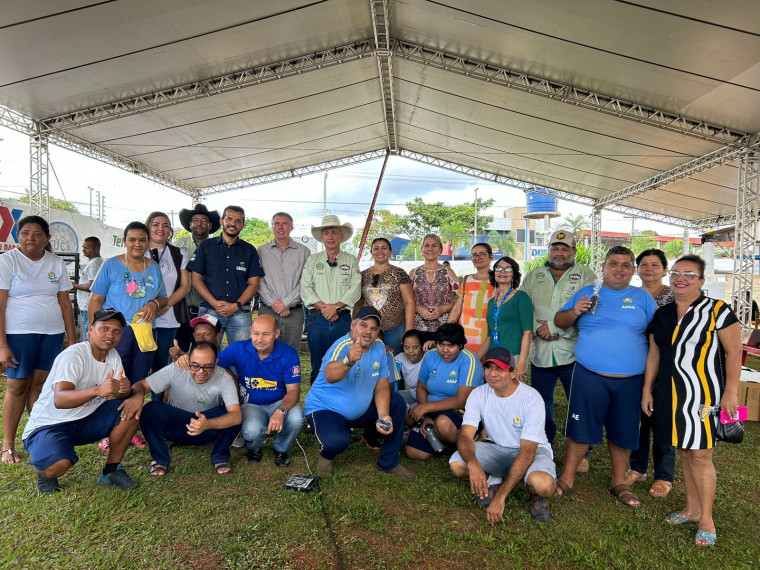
x,y
349,190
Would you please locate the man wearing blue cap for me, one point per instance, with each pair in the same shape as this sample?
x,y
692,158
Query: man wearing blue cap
x,y
516,448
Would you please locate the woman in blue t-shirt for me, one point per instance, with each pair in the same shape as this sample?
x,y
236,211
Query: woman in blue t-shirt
x,y
447,376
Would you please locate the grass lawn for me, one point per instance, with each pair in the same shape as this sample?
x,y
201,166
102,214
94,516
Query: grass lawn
x,y
193,518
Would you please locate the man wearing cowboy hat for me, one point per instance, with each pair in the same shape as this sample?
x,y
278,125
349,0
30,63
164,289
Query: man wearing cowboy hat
x,y
201,223
330,286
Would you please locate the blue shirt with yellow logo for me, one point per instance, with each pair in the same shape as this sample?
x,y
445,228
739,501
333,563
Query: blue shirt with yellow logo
x,y
443,379
351,396
262,382
613,339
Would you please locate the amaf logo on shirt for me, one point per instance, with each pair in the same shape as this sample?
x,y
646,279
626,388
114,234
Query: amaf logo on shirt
x,y
452,379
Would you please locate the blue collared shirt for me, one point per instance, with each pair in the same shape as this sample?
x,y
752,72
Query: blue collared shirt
x,y
226,268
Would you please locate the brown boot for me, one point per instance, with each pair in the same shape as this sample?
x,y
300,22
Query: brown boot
x,y
400,471
325,466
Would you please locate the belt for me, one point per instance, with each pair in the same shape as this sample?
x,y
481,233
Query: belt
x,y
339,311
293,308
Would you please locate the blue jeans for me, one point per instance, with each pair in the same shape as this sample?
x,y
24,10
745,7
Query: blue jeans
x,y
333,431
663,456
321,336
392,338
256,421
136,362
161,422
237,327
83,316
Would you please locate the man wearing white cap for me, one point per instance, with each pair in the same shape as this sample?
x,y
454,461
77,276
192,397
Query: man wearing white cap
x,y
330,286
550,286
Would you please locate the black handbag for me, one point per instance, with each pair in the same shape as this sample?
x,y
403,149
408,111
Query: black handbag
x,y
730,433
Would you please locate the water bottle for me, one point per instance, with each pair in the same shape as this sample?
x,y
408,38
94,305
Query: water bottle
x,y
432,438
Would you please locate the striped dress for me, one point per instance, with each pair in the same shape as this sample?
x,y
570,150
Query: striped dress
x,y
692,370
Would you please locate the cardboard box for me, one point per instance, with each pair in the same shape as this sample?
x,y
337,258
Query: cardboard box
x,y
749,395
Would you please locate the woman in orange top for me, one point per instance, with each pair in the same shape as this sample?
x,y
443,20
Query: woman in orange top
x,y
473,296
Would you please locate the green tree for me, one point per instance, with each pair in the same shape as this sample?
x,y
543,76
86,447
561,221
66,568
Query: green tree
x,y
426,218
412,250
384,224
503,243
674,249
456,233
642,243
575,224
56,204
583,255
256,232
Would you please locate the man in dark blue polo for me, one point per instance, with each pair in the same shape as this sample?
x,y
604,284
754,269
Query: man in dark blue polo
x,y
269,378
226,272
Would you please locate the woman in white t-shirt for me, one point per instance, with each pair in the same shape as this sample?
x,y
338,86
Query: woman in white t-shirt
x,y
173,264
35,311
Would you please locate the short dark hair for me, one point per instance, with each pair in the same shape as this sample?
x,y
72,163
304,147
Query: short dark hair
x,y
620,250
451,332
516,275
93,240
136,226
203,344
284,215
411,333
237,209
656,252
374,241
698,261
39,220
485,245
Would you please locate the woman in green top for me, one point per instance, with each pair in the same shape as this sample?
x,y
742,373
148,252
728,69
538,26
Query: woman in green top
x,y
509,315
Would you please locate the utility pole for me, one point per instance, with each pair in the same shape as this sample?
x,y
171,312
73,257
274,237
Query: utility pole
x,y
476,216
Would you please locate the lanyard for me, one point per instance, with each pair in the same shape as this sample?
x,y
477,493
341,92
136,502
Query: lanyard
x,y
496,309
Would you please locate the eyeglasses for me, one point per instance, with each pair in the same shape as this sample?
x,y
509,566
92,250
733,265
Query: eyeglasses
x,y
194,366
375,279
503,269
479,255
199,220
689,275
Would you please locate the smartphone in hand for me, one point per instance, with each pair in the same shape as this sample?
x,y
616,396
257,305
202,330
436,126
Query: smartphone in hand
x,y
741,415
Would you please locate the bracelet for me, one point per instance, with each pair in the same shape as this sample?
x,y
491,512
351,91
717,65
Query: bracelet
x,y
3,346
157,303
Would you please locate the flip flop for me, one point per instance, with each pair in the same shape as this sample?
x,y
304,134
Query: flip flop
x,y
632,477
157,470
566,489
704,538
660,488
13,456
220,468
624,494
678,519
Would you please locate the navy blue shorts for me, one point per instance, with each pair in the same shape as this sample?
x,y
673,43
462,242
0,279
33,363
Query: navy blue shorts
x,y
49,444
418,441
33,352
598,401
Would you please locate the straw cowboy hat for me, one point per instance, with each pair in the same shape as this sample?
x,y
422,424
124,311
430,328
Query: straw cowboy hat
x,y
185,216
332,222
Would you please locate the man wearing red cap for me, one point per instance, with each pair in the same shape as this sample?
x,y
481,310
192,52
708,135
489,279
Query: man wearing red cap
x,y
516,448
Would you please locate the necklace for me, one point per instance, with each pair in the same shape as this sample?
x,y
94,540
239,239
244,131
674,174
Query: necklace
x,y
496,310
134,289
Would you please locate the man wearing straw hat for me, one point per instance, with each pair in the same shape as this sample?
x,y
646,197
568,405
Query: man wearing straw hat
x,y
330,286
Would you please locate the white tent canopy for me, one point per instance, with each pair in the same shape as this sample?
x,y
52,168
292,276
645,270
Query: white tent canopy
x,y
632,105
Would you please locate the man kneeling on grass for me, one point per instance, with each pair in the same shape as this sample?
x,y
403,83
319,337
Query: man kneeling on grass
x,y
516,447
203,406
82,401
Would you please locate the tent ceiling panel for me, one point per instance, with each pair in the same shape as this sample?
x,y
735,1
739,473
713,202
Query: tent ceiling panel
x,y
664,61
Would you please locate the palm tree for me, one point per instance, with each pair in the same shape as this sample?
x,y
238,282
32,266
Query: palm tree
x,y
575,224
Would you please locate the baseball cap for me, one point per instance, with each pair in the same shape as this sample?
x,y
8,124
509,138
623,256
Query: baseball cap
x,y
501,357
562,236
366,312
207,319
107,315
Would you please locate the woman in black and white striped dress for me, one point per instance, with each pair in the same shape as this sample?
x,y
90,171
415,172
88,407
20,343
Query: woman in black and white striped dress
x,y
695,354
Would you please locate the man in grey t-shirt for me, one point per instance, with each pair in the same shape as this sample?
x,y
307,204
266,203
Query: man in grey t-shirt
x,y
203,406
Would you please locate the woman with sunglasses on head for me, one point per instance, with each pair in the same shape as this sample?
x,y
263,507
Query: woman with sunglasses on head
x,y
473,296
509,316
652,266
695,356
172,261
435,286
35,311
388,289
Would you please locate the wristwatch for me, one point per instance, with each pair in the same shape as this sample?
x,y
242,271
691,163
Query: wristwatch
x,y
347,362
240,306
282,410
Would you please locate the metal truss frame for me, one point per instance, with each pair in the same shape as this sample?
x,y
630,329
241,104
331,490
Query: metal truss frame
x,y
380,27
596,240
745,239
566,93
294,173
211,86
39,194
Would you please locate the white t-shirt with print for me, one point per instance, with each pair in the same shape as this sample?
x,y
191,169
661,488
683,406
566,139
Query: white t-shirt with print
x,y
88,274
169,273
409,370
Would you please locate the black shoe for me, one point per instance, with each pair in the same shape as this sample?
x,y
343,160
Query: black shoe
x,y
255,455
47,484
281,458
539,509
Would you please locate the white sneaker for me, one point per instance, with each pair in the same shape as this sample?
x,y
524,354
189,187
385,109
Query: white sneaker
x,y
239,441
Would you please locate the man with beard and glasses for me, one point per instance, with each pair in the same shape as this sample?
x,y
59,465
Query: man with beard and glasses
x,y
352,390
550,286
226,273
